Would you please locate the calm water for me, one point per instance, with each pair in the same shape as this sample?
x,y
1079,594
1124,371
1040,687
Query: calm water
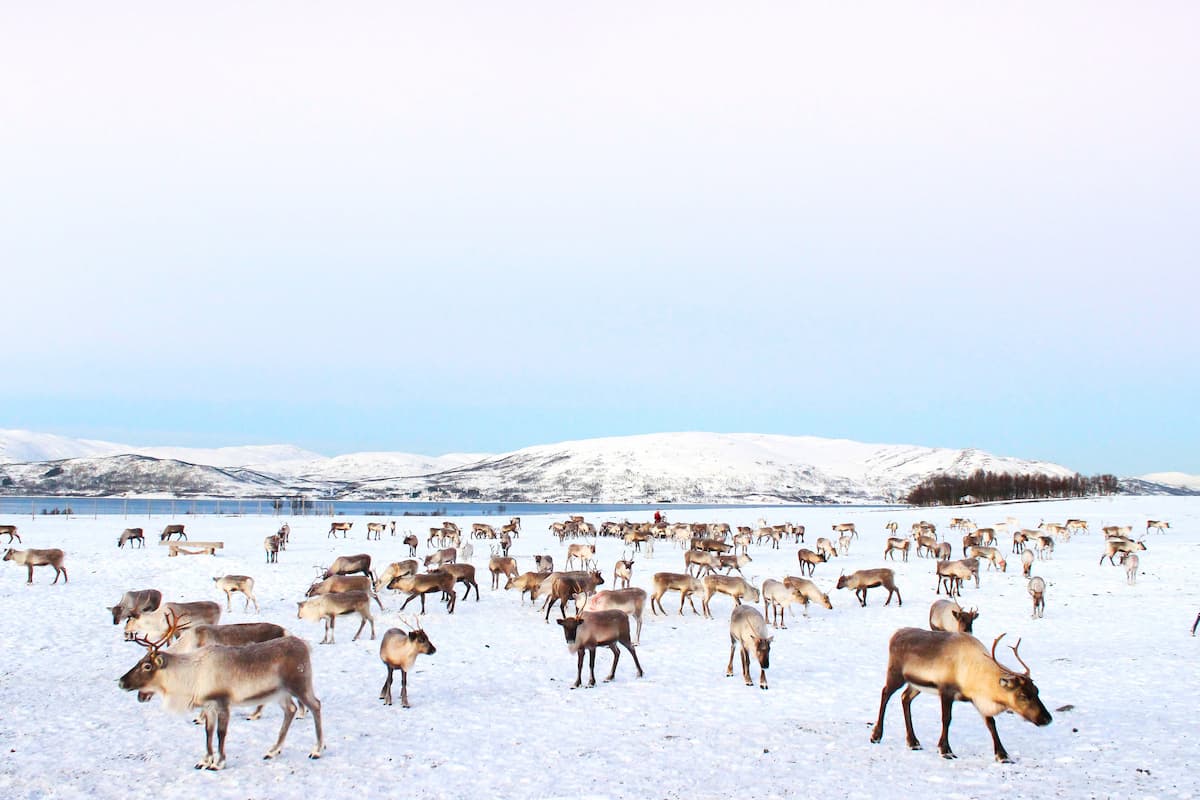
x,y
141,507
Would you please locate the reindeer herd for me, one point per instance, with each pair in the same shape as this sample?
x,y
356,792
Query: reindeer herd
x,y
193,661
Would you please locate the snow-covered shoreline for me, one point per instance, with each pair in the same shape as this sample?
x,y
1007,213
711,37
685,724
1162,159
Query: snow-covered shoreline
x,y
493,714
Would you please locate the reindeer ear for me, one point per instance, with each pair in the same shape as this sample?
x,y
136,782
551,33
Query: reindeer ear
x,y
158,661
1007,683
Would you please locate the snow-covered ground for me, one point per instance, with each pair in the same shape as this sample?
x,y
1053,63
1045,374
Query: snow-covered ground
x,y
494,716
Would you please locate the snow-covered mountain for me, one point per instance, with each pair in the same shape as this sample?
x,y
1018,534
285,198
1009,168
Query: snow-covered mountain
x,y
1180,480
678,467
704,467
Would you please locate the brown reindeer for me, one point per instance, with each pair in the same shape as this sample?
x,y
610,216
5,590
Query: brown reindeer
x,y
237,583
947,615
809,560
11,532
172,530
217,678
138,601
502,565
591,629
748,628
399,650
424,583
336,527
130,536
628,601
52,557
955,666
686,585
864,579
328,607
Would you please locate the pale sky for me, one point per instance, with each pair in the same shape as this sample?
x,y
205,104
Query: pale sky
x,y
435,227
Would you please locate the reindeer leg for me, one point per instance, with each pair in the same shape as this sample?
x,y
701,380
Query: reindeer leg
x,y
616,658
210,726
579,671
289,713
944,742
362,623
591,667
894,682
746,666
385,694
906,698
222,715
636,663
1001,753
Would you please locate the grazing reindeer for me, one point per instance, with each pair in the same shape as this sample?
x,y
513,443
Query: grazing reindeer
x,y
569,586
629,601
776,597
1037,590
396,569
892,528
464,574
748,628
172,530
329,607
237,583
52,557
1021,538
737,588
399,650
344,583
826,548
989,554
809,592
894,545
623,572
864,579
526,582
1130,560
1027,563
335,527
592,629
846,527
271,546
447,555
809,560
1157,524
285,534
953,573
1115,546
947,615
704,562
136,602
955,666
216,678
686,585
729,563
130,535
348,565
153,623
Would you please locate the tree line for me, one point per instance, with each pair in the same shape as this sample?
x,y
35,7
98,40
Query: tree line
x,y
986,487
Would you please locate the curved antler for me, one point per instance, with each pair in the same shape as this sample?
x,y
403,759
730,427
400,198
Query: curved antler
x,y
1018,655
173,627
998,638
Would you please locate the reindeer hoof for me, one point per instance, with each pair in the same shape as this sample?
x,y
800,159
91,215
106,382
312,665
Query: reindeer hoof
x,y
948,755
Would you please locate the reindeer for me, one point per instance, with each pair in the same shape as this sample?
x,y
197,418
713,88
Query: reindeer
x,y
375,530
544,564
895,545
956,666
947,615
1037,590
809,560
1027,563
285,534
748,628
526,582
343,527
729,563
986,536
172,530
623,571
1114,546
412,541
843,545
329,607
1130,562
942,551
737,588
447,555
11,532
953,573
1021,538
771,534
1157,524
826,548
348,565
628,601
52,557
591,629
1054,529
502,565
846,527
989,554
344,583
1044,547
399,650
194,637
237,583
464,574
809,592
566,586
685,584
584,553
1076,526
705,563
863,579
424,583
271,546
136,602
153,623
776,597
217,678
130,535
893,527
926,544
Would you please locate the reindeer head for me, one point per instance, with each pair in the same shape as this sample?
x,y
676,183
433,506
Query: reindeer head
x,y
1022,695
142,676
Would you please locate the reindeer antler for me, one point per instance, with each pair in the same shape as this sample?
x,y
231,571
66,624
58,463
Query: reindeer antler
x,y
173,627
1018,655
998,638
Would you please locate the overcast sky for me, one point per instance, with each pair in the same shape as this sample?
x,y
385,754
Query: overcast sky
x,y
437,227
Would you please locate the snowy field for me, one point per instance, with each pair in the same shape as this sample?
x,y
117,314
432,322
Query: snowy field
x,y
494,716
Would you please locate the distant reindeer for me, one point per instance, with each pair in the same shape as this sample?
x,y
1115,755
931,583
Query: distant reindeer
x,y
130,535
